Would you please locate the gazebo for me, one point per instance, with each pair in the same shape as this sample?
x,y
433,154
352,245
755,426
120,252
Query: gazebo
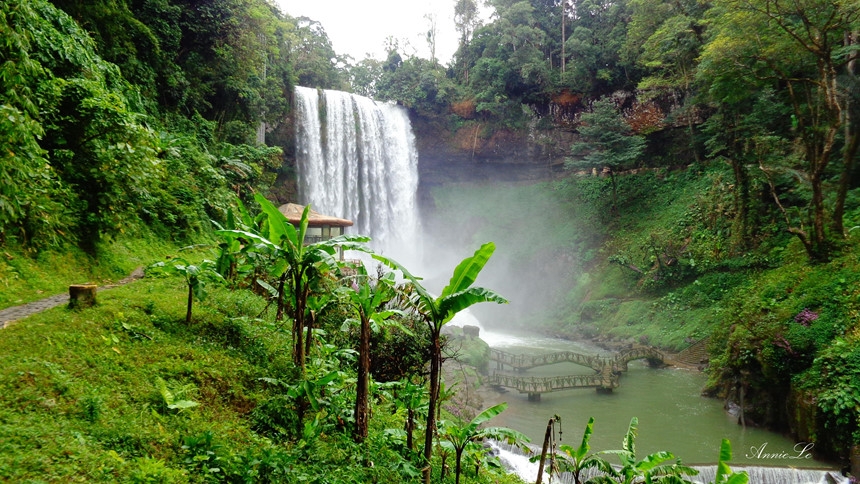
x,y
320,227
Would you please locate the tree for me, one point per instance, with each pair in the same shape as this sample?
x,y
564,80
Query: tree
x,y
35,215
806,49
664,40
368,299
458,438
438,311
597,32
746,135
466,20
609,142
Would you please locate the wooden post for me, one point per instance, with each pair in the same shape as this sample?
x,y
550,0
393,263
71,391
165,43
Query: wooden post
x,y
543,451
82,296
855,461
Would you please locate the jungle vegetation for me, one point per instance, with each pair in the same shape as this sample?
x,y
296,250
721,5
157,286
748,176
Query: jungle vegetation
x,y
133,127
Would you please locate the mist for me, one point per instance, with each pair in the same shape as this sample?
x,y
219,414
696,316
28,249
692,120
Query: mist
x,y
535,264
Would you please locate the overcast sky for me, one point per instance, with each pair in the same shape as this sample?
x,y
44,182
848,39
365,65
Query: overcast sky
x,y
357,27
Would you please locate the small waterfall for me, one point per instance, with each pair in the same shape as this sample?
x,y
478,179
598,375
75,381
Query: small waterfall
x,y
515,461
357,160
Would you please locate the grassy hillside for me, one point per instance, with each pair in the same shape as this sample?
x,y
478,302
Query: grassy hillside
x,y
126,391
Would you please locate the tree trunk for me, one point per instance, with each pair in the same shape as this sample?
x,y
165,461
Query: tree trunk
x,y
849,152
410,428
190,301
82,296
300,303
279,316
459,458
363,381
435,377
741,226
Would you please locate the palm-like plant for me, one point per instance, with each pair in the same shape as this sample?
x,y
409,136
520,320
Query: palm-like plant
x,y
724,474
576,461
438,311
368,299
659,467
195,276
296,266
457,438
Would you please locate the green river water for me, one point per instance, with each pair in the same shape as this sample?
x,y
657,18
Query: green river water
x,y
673,416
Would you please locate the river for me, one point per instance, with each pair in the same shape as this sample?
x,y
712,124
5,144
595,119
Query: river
x,y
673,416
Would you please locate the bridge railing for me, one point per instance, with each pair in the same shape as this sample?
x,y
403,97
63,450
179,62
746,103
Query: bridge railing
x,y
553,383
597,363
521,361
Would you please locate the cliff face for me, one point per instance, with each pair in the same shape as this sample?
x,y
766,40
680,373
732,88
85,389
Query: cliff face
x,y
478,152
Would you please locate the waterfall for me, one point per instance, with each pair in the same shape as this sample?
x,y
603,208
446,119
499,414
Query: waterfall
x,y
357,160
515,461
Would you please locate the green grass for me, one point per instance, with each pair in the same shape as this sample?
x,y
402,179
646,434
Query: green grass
x,y
82,398
26,277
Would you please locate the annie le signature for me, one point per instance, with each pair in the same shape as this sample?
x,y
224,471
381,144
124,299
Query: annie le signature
x,y
801,450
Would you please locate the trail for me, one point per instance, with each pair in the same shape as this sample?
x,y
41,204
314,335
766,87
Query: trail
x,y
11,315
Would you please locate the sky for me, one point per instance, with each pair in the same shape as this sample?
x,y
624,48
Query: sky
x,y
358,27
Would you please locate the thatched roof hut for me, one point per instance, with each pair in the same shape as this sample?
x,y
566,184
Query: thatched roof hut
x,y
293,212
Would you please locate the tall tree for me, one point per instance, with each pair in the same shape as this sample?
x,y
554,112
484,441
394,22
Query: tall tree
x,y
803,47
466,20
597,32
608,142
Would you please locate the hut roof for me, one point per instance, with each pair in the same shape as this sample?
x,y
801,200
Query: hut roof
x,y
293,212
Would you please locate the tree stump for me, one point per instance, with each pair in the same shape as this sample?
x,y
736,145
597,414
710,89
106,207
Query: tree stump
x,y
82,296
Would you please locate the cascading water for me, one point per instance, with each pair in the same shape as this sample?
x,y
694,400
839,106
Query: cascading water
x,y
357,160
514,459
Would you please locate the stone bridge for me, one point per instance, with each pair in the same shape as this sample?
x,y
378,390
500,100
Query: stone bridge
x,y
617,362
607,369
535,386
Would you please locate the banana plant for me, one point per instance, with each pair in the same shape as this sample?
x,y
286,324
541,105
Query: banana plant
x,y
368,299
297,266
438,311
196,276
659,467
576,460
724,474
411,397
458,438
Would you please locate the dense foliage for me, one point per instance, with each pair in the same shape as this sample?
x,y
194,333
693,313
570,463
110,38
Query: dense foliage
x,y
758,101
119,115
146,118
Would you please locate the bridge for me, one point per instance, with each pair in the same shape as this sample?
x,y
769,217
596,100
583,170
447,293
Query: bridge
x,y
535,386
604,380
617,362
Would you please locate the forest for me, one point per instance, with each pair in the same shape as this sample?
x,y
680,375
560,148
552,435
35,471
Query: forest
x,y
727,131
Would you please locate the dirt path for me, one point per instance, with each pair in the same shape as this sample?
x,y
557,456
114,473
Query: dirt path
x,y
10,315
